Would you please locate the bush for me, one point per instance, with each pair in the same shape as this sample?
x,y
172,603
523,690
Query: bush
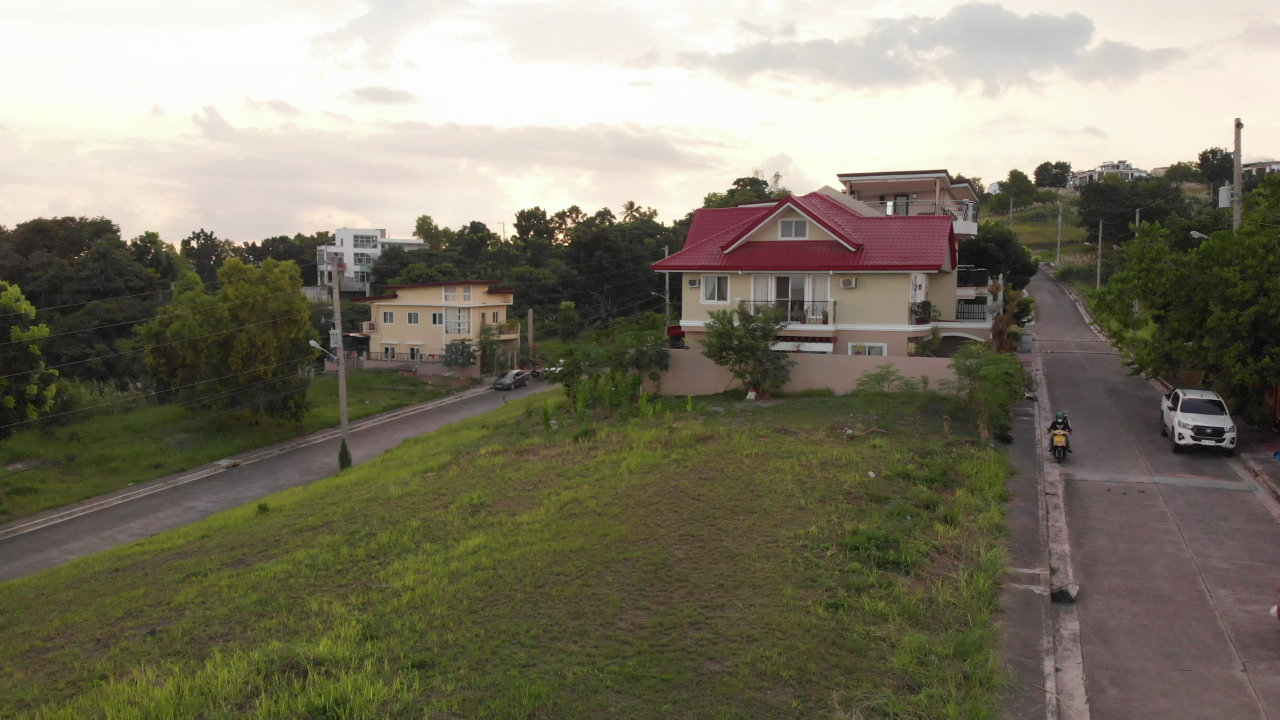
x,y
990,383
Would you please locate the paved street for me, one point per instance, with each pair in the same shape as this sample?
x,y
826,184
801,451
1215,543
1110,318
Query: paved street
x,y
1176,554
184,504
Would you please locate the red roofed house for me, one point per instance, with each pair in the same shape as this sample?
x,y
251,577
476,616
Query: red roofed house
x,y
855,281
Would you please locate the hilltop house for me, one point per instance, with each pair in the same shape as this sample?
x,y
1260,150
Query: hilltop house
x,y
353,253
1121,168
853,281
414,322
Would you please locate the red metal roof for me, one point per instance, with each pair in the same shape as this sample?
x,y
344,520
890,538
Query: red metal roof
x,y
916,242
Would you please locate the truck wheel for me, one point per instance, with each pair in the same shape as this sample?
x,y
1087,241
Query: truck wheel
x,y
1174,445
1164,432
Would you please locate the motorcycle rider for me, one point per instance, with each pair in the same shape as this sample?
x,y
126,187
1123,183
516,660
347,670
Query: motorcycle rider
x,y
1060,422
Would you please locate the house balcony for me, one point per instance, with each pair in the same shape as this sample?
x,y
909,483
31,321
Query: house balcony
x,y
800,314
972,312
368,327
972,282
964,214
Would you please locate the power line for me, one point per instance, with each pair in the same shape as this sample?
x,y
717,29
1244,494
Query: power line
x,y
152,347
158,392
166,429
134,322
153,292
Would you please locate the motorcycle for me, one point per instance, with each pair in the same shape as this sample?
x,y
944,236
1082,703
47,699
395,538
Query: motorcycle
x,y
1058,444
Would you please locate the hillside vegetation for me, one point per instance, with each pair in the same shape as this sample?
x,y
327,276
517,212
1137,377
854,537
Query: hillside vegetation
x,y
171,438
699,559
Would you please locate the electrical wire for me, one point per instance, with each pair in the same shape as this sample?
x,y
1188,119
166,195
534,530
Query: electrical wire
x,y
126,297
152,347
134,322
168,428
132,398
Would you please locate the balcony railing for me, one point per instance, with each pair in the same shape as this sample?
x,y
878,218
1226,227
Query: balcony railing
x,y
971,311
957,209
811,312
968,276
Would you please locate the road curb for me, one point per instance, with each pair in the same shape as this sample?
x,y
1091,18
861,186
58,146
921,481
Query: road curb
x,y
1067,695
21,527
1262,476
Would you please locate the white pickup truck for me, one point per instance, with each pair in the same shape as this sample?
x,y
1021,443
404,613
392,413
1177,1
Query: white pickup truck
x,y
1197,417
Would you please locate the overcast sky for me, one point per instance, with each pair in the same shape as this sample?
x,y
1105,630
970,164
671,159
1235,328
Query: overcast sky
x,y
254,118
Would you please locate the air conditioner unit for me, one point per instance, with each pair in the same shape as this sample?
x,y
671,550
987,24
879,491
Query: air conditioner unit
x,y
695,282
848,283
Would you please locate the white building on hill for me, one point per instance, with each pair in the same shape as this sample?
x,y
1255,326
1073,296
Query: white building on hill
x,y
356,250
1117,167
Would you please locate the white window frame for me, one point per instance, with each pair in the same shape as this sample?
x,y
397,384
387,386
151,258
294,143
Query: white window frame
x,y
388,317
495,317
412,318
364,241
711,283
415,353
882,347
466,293
783,226
459,323
451,293
437,318
389,350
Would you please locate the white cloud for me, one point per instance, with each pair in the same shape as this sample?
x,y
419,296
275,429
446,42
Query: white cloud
x,y
383,26
974,43
374,95
212,125
276,105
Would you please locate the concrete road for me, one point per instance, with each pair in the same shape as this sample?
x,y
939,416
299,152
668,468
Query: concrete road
x,y
1176,554
184,504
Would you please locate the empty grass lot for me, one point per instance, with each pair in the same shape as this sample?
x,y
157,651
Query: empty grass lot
x,y
719,562
174,443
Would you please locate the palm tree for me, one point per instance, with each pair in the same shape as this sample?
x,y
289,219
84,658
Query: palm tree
x,y
630,211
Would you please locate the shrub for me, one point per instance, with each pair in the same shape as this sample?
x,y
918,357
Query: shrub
x,y
990,383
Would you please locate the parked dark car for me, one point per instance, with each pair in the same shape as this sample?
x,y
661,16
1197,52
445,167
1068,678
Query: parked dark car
x,y
512,380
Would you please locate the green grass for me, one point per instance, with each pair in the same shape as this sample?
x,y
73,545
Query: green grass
x,y
1042,238
731,561
167,452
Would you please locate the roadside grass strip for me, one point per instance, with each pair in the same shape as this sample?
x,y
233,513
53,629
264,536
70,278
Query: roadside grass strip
x,y
729,561
189,446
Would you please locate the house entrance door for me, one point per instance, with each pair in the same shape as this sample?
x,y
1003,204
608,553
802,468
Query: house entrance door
x,y
790,296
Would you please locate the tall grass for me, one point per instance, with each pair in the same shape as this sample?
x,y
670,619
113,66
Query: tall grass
x,y
747,563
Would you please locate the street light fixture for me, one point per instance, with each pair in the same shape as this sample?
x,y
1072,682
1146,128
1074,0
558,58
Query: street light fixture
x,y
1199,235
320,347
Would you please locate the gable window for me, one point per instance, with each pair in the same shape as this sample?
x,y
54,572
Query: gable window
x,y
437,318
388,318
715,288
794,230
450,293
413,318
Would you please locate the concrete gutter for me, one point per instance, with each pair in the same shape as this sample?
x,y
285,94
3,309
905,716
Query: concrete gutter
x,y
84,507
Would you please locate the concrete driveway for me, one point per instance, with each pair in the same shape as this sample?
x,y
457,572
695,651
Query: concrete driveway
x,y
1176,554
182,504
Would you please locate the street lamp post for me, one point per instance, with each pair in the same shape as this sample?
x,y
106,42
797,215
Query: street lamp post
x,y
338,268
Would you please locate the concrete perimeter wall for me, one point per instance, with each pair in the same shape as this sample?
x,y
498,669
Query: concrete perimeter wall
x,y
693,374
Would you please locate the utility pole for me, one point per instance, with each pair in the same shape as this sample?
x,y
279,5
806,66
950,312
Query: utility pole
x,y
1010,212
1236,199
666,283
1097,283
533,362
338,268
1137,219
1057,258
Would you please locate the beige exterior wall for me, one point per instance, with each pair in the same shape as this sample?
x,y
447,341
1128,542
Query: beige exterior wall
x,y
771,231
942,292
430,339
693,374
879,298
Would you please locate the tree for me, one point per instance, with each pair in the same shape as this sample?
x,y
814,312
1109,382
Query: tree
x,y
206,252
979,188
742,339
66,238
565,221
241,345
1184,172
426,230
423,273
1213,308
990,383
149,251
996,248
746,190
630,211
1116,201
459,354
27,389
1217,166
1053,174
567,320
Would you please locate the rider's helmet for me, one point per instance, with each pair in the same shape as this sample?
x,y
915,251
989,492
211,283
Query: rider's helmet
x,y
1061,416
